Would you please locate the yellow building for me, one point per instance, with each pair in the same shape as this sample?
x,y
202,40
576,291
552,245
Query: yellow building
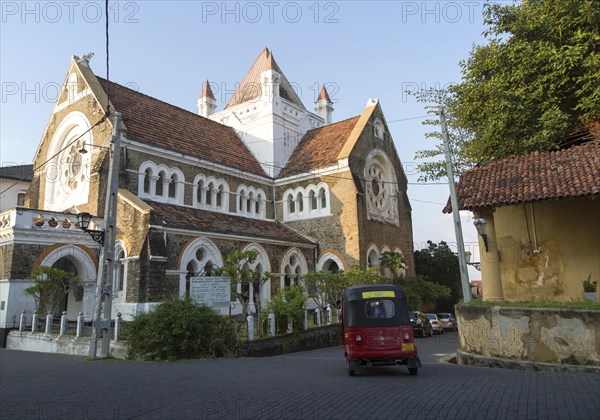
x,y
542,222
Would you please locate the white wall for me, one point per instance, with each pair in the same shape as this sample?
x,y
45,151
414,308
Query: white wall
x,y
11,293
8,200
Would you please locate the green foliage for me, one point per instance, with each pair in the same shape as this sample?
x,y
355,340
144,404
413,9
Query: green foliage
x,y
439,264
288,304
532,84
420,292
357,276
394,262
180,329
50,288
324,287
589,285
236,267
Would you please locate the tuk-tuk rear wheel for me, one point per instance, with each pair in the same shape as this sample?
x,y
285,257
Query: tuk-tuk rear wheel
x,y
413,371
350,367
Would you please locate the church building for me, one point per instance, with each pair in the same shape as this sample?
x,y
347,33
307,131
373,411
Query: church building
x,y
264,173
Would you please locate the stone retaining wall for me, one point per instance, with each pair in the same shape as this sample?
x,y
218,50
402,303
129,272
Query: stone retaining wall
x,y
63,344
314,338
564,336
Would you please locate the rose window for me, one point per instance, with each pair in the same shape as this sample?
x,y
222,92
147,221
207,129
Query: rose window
x,y
377,191
73,167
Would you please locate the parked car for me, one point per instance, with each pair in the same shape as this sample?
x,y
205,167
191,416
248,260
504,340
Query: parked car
x,y
448,321
436,323
420,324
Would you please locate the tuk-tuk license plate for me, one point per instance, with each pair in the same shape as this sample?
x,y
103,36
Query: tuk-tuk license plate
x,y
408,346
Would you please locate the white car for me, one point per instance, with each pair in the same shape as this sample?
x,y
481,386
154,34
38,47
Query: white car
x,y
436,323
448,321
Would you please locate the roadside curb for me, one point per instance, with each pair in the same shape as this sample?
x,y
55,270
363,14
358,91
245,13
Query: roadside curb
x,y
470,359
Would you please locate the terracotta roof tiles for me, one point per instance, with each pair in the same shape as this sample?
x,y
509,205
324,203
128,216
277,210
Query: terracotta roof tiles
x,y
319,148
251,86
323,95
541,175
155,122
175,216
207,91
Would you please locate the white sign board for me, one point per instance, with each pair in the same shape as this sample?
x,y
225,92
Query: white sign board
x,y
214,292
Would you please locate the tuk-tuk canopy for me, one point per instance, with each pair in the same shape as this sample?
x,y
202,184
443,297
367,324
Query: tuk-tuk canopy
x,y
376,304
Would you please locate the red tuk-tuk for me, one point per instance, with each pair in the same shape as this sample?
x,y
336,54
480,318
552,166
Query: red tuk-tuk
x,y
376,328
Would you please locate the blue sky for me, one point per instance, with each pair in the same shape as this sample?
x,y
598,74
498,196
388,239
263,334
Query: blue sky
x,y
166,49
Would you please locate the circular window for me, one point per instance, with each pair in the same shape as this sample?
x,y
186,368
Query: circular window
x,y
200,254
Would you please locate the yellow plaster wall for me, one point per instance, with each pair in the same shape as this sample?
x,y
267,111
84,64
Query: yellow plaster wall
x,y
567,253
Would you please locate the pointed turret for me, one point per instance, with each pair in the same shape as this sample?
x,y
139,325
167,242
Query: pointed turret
x,y
324,106
264,79
206,102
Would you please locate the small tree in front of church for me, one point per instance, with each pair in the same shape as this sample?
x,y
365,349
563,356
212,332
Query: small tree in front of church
x,y
50,288
235,267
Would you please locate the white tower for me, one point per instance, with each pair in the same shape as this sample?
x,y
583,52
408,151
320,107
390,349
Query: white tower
x,y
323,106
267,114
206,102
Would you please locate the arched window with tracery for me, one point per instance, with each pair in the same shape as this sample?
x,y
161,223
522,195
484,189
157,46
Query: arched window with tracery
x,y
120,268
381,188
294,266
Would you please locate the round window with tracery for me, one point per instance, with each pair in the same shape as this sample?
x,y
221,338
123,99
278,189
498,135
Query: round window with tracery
x,y
377,191
73,167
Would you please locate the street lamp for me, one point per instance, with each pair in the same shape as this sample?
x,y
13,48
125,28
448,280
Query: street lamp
x,y
480,226
477,265
83,150
84,220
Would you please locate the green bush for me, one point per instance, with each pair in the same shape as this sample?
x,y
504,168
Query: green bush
x,y
288,303
180,329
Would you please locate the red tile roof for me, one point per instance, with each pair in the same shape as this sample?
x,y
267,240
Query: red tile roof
x,y
549,175
251,86
319,148
323,94
175,216
155,122
207,91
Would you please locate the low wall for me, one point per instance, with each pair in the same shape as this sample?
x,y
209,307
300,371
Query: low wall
x,y
314,338
496,335
63,344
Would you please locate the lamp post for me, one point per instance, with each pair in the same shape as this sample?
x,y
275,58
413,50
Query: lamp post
x,y
102,316
464,274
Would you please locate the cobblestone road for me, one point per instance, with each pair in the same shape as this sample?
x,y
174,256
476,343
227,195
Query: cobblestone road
x,y
308,385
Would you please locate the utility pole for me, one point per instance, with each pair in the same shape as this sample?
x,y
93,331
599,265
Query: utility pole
x,y
102,318
462,259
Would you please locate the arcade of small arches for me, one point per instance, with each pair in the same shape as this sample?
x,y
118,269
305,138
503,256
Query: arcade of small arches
x,y
164,184
251,201
374,258
306,203
161,183
211,193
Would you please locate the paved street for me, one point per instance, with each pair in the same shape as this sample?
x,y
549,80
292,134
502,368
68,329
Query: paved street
x,y
307,385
